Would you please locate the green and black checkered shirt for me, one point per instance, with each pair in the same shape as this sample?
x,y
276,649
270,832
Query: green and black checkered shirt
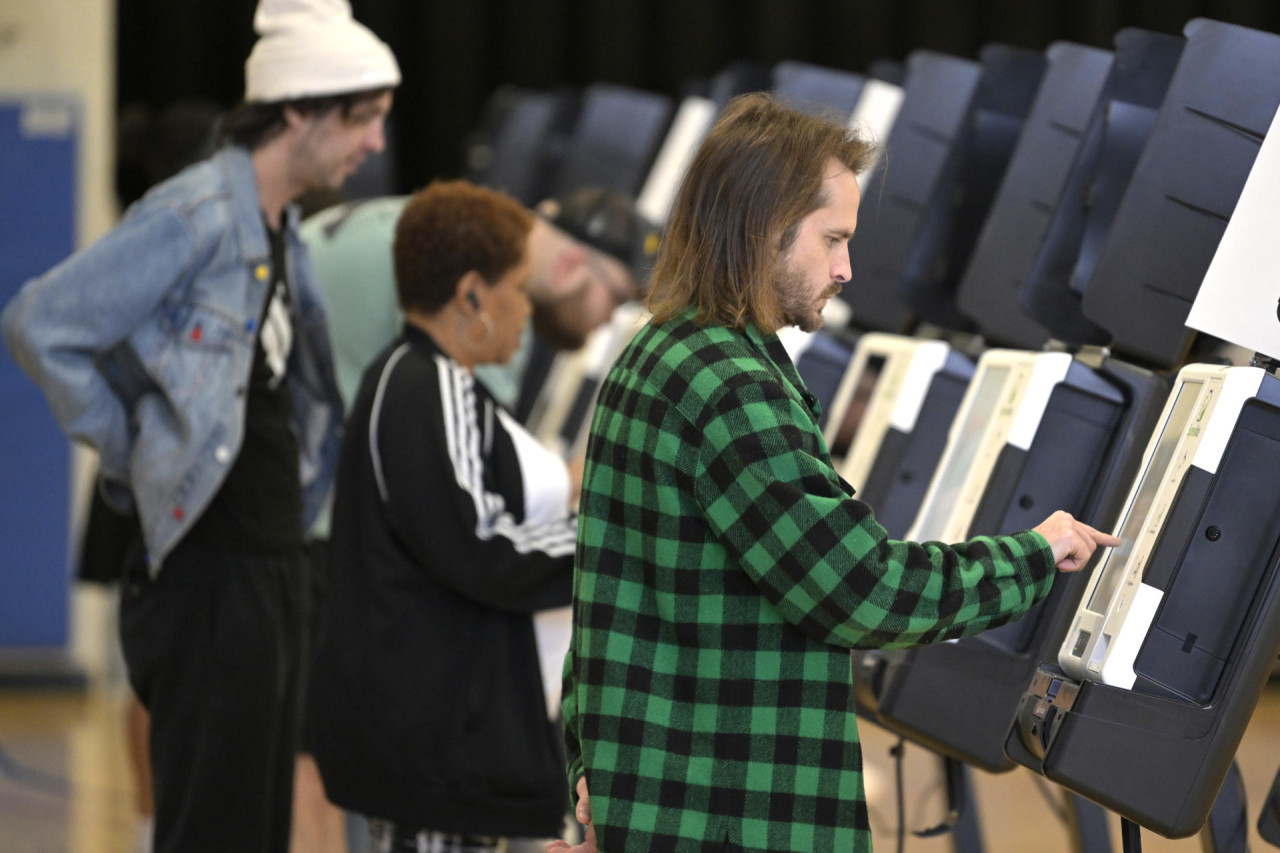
x,y
723,572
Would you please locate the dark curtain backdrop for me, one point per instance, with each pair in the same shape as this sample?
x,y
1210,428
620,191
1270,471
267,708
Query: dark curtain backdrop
x,y
455,53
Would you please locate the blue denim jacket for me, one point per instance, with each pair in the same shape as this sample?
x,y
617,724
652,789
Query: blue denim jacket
x,y
143,343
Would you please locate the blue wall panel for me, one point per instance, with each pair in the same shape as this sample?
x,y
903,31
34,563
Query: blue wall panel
x,y
38,142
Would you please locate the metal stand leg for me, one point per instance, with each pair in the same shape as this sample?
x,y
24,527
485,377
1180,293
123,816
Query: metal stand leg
x,y
1130,836
1227,830
1087,824
962,813
967,835
1269,818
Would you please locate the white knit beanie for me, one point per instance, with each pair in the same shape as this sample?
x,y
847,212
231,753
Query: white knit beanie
x,y
312,48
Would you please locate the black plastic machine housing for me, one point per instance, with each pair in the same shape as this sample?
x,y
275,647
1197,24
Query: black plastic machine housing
x,y
1184,188
906,460
947,152
918,221
960,698
814,89
1158,753
1038,172
1109,148
822,365
956,698
919,169
614,141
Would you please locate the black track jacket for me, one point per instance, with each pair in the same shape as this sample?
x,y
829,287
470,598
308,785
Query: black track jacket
x,y
426,705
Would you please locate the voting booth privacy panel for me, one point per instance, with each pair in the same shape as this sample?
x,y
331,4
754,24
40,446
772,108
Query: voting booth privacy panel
x,y
1045,202
938,93
1037,432
1112,140
38,149
519,145
1030,191
1205,138
1046,430
1146,699
616,134
905,223
560,408
919,221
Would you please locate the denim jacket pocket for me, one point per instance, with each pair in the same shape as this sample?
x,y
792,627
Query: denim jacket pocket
x,y
195,347
199,325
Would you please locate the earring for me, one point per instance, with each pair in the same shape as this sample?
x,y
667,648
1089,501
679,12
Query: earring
x,y
476,346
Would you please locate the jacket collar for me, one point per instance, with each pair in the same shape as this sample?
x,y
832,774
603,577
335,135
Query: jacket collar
x,y
772,347
236,164
420,340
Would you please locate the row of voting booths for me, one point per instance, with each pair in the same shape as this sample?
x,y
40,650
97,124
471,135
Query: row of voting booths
x,y
1064,296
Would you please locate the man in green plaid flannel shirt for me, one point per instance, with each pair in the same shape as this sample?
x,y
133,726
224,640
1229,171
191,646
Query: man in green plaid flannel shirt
x,y
724,569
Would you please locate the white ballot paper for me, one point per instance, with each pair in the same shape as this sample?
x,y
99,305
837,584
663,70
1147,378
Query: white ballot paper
x,y
1239,300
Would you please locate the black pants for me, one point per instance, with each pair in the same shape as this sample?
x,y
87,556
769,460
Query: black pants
x,y
315,587
214,647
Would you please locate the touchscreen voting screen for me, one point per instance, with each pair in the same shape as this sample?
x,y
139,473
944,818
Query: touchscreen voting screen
x,y
986,392
1118,607
1007,408
1165,441
864,379
891,419
882,387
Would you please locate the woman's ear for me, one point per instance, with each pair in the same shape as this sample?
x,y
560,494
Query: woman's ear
x,y
466,293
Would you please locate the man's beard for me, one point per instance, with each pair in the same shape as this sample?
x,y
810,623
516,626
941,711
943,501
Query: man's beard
x,y
799,308
563,335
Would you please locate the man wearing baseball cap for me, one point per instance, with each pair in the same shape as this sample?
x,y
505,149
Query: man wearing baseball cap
x,y
590,252
188,346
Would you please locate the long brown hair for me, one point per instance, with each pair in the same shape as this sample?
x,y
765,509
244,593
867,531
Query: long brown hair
x,y
757,174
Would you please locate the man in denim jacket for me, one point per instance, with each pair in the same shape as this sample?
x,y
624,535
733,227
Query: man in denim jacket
x,y
189,347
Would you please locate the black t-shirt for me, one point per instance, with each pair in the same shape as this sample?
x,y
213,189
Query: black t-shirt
x,y
259,507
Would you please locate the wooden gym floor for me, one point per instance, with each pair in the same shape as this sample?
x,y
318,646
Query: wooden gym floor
x,y
65,785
